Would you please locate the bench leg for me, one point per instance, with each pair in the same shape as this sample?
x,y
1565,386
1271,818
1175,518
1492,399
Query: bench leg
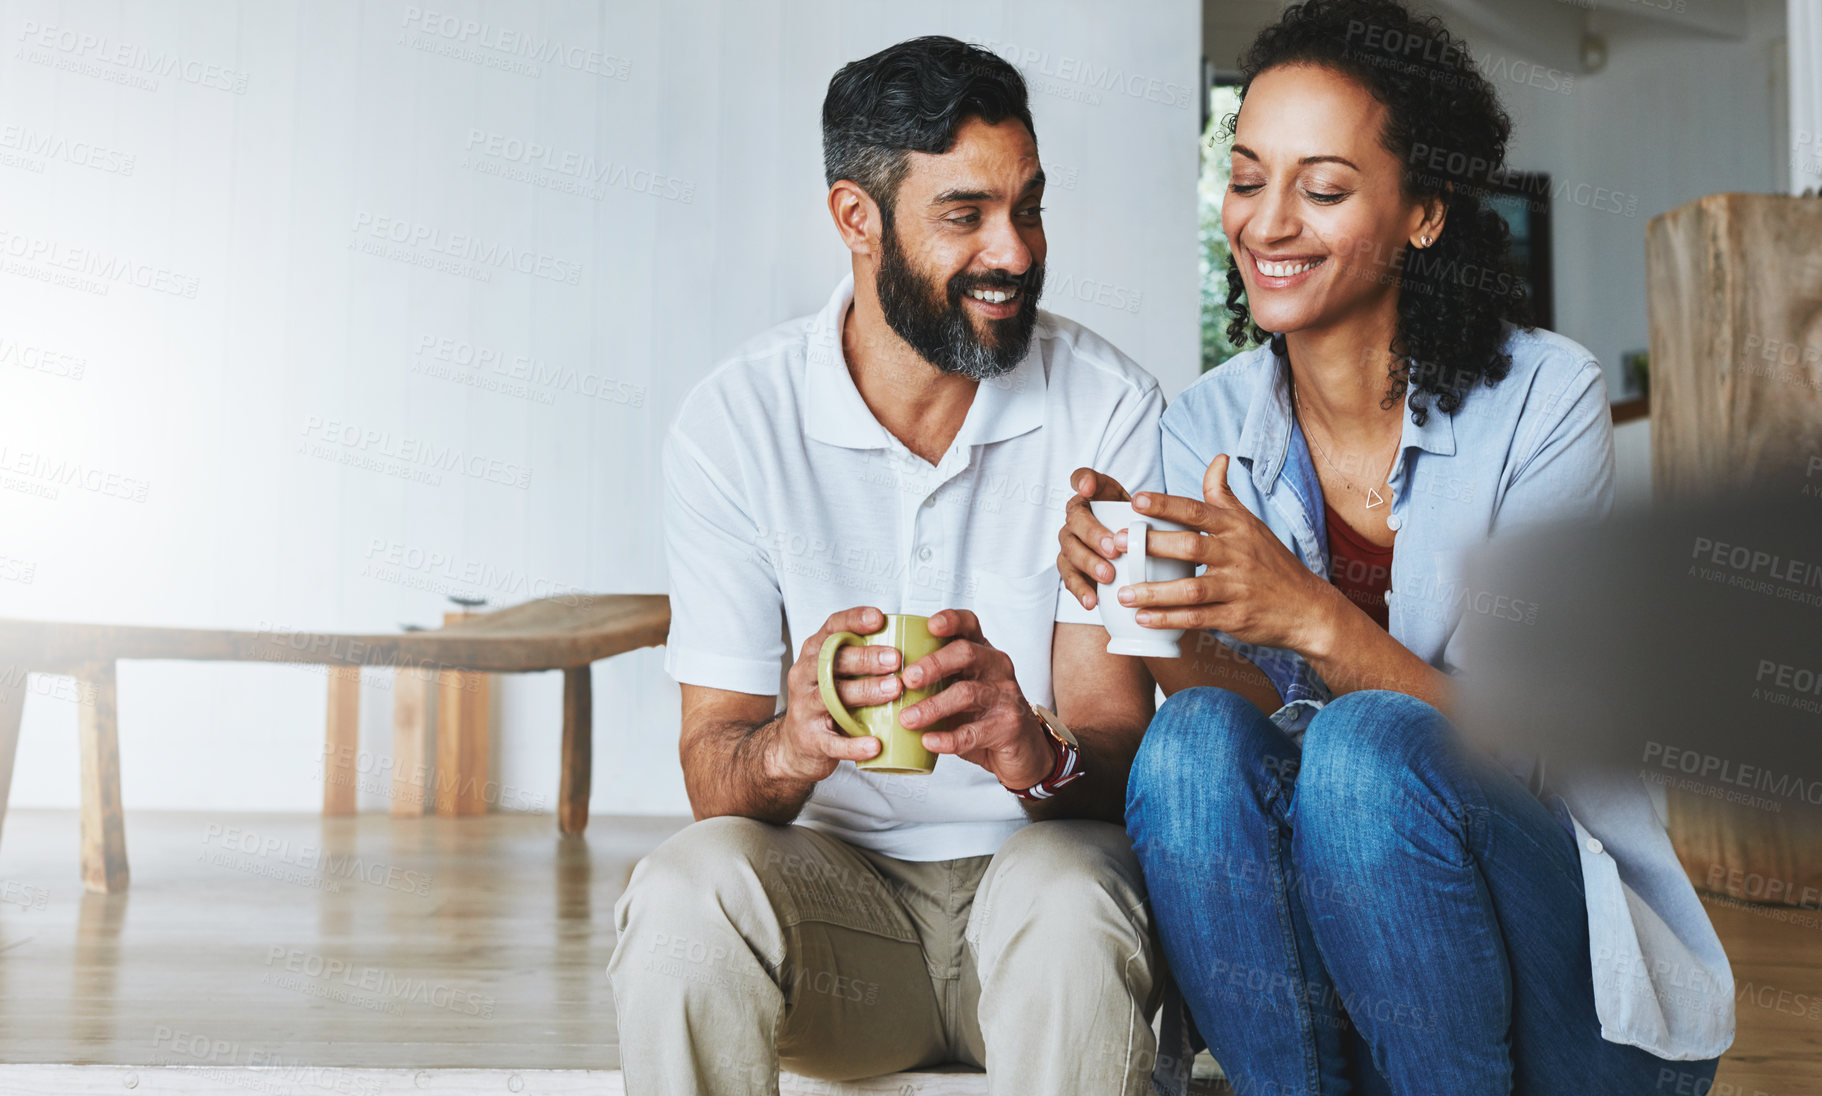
x,y
12,713
104,841
578,750
410,709
342,741
462,742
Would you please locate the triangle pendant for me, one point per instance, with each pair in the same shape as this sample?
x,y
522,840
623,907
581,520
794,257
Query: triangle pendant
x,y
1373,498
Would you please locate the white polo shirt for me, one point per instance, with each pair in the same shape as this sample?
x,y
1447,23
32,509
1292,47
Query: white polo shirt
x,y
786,501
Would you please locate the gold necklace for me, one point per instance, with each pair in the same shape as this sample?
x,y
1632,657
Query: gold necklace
x,y
1374,498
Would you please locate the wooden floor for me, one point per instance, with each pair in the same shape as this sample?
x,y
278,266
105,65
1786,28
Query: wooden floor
x,y
1777,972
291,953
370,955
363,941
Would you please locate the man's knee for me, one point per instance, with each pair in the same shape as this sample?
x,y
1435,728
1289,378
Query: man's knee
x,y
691,906
1069,883
699,863
701,888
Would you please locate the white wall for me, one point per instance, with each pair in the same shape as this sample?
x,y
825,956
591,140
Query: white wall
x,y
1804,67
1632,466
1676,114
193,313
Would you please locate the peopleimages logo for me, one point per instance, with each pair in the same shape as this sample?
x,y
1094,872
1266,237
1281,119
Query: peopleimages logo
x,y
390,986
36,473
1721,770
465,247
479,35
41,359
1756,571
35,253
413,452
395,561
595,175
130,63
31,149
518,374
1083,75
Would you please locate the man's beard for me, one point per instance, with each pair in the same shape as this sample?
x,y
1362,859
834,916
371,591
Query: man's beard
x,y
936,324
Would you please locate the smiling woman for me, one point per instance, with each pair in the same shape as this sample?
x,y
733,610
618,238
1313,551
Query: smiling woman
x,y
1424,96
1414,914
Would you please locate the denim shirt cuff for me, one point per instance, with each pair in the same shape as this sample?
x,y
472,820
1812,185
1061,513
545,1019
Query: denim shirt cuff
x,y
1294,718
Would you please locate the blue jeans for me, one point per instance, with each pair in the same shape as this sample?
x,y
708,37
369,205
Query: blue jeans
x,y
1378,911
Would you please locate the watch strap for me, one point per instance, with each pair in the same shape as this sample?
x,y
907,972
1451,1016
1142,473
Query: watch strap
x,y
1067,770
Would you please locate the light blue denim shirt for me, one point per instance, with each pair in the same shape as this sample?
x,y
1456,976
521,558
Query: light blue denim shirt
x,y
1534,449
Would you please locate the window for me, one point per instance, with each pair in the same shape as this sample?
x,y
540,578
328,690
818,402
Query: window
x,y
1223,101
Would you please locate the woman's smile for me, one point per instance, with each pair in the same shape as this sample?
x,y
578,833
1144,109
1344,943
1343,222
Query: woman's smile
x,y
1282,271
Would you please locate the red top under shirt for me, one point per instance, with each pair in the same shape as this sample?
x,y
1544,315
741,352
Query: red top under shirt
x,y
1360,569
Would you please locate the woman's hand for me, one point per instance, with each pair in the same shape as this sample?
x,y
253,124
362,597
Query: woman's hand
x,y
1253,587
1087,544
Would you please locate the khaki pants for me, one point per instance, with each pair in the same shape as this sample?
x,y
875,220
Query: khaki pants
x,y
743,945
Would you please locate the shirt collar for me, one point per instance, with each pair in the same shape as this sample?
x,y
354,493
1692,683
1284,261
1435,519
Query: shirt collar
x,y
834,411
1265,437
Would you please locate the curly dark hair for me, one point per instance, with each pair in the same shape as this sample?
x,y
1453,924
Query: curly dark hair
x,y
912,97
1446,126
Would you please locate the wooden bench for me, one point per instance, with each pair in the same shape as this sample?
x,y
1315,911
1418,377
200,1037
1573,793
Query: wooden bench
x,y
561,633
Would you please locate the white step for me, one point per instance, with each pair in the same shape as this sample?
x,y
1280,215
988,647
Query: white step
x,y
38,1080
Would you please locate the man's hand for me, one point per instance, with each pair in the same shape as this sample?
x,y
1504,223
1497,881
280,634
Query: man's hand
x,y
743,757
991,724
1087,545
1252,587
808,745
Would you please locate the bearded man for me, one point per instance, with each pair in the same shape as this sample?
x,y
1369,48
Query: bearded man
x,y
907,450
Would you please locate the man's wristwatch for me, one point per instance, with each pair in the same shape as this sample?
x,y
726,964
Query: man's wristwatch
x,y
1068,767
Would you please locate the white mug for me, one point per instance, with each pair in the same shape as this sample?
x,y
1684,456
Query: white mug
x,y
1126,636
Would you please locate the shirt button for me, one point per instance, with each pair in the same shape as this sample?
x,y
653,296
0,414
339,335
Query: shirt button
x,y
1594,844
925,553
1392,522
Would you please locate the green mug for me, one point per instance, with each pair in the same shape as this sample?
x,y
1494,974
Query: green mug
x,y
901,749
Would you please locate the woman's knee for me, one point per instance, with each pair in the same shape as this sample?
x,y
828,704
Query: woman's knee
x,y
1362,743
1380,708
1203,746
1372,768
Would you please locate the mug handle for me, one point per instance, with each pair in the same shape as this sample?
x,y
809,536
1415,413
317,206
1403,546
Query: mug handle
x,y
825,679
1135,554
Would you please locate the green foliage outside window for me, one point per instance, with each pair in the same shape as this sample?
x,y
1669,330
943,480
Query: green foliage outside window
x,y
1224,100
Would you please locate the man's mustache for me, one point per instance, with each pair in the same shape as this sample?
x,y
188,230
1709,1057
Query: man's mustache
x,y
992,279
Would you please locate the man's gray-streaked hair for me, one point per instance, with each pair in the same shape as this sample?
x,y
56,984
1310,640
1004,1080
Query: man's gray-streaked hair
x,y
911,97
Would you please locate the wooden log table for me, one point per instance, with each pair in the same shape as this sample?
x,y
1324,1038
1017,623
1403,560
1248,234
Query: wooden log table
x,y
1734,282
561,633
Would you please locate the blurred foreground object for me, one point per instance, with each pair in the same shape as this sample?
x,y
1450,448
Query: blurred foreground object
x,y
1735,294
1681,648
1687,645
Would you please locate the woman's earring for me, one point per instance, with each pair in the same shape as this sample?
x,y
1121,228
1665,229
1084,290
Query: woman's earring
x,y
1425,241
